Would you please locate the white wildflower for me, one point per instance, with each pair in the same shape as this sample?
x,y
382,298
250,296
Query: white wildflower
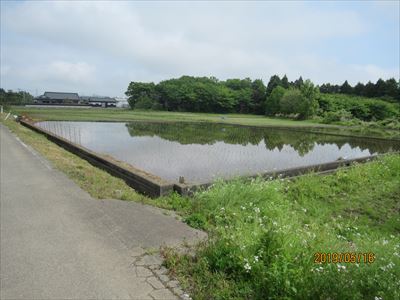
x,y
247,267
340,267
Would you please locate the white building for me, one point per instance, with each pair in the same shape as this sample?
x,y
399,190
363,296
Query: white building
x,y
122,102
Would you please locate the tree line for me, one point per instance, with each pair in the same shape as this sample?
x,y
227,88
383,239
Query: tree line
x,y
299,98
15,98
385,89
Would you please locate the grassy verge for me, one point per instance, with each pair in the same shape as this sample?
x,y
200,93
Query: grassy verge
x,y
264,234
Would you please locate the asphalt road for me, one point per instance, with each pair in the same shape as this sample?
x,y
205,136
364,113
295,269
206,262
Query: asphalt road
x,y
59,243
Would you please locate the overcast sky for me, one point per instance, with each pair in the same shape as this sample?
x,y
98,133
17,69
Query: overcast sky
x,y
99,47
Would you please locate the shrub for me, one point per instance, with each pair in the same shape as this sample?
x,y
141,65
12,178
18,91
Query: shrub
x,y
392,123
360,111
337,116
144,103
381,110
301,102
362,108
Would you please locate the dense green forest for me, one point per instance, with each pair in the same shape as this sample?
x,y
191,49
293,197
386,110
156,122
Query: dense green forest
x,y
14,98
296,99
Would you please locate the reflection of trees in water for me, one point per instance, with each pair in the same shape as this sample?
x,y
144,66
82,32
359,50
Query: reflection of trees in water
x,y
205,133
299,141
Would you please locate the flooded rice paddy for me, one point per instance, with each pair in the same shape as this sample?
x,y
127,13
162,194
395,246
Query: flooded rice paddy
x,y
202,152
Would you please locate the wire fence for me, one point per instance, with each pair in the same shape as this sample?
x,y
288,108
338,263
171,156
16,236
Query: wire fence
x,y
64,130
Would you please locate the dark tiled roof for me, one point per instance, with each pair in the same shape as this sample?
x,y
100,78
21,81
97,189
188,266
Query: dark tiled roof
x,y
101,99
61,96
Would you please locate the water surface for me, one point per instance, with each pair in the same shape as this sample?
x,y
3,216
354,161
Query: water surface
x,y
202,152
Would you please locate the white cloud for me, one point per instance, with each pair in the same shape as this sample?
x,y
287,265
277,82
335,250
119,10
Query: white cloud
x,y
118,42
73,72
192,37
58,74
60,71
4,70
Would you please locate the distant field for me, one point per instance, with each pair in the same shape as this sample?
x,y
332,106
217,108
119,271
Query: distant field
x,y
111,114
116,114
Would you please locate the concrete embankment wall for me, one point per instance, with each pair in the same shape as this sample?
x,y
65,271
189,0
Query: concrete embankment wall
x,y
325,168
137,179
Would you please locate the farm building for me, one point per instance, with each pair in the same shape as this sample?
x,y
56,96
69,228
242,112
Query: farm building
x,y
58,98
100,101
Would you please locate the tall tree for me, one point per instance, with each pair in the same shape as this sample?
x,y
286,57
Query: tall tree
x,y
298,82
141,92
359,89
272,104
15,98
393,88
242,92
258,96
290,102
309,104
274,81
380,88
285,82
346,88
325,88
369,90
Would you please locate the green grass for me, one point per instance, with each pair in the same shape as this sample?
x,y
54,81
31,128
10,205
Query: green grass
x,y
101,114
263,234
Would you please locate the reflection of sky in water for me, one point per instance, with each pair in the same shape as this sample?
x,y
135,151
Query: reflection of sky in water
x,y
196,162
